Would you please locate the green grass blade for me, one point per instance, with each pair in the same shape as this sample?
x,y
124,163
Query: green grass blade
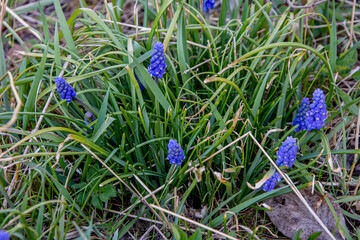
x,y
32,97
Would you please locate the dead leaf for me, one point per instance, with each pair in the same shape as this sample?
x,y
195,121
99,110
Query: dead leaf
x,y
289,214
198,173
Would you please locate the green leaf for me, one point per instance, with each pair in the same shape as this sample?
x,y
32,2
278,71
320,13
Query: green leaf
x,y
44,22
102,129
153,87
178,234
64,27
99,21
57,51
30,102
96,202
197,235
107,192
297,235
347,99
171,28
78,186
349,57
182,50
126,228
333,41
156,21
314,235
348,199
101,116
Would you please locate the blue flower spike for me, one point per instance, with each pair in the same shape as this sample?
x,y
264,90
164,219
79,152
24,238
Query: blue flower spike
x,y
301,115
208,4
157,62
65,89
287,152
88,118
176,153
316,116
269,185
4,235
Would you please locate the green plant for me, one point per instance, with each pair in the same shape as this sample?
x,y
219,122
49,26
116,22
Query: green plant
x,y
230,91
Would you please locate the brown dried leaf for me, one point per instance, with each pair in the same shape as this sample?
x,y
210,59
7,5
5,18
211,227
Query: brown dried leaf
x,y
289,214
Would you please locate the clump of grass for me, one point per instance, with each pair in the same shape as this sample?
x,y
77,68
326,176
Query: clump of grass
x,y
97,166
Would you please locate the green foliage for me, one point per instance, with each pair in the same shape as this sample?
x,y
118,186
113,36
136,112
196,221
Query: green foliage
x,y
228,76
313,236
91,189
178,233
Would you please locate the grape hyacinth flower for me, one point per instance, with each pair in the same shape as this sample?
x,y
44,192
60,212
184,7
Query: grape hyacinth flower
x,y
4,235
316,116
66,91
176,153
287,152
271,182
88,118
301,115
142,88
157,62
208,4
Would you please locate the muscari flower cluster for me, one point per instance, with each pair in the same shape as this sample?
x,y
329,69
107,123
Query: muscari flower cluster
x,y
316,116
312,116
157,62
4,235
271,182
66,91
287,152
301,115
208,4
176,153
287,156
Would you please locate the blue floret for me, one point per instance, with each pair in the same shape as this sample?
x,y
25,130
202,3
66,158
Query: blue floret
x,y
287,152
4,235
316,116
157,62
176,153
271,182
301,115
66,91
208,4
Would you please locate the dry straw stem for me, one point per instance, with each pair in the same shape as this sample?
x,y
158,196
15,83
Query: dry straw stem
x,y
124,183
355,156
61,145
18,105
351,26
193,222
313,4
157,10
144,219
17,17
154,197
2,14
144,236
